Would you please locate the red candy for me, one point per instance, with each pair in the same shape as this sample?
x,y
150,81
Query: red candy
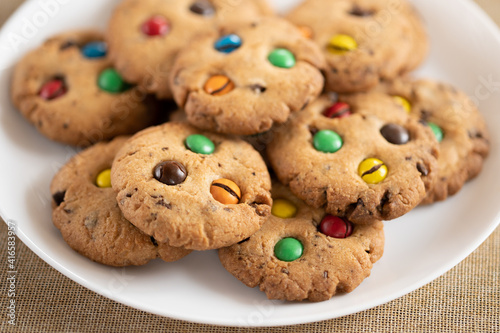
x,y
338,110
53,89
336,227
156,26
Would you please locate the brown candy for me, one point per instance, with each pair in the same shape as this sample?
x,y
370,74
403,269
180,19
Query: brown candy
x,y
395,134
202,7
170,173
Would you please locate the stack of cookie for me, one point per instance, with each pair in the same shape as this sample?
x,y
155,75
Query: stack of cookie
x,y
321,100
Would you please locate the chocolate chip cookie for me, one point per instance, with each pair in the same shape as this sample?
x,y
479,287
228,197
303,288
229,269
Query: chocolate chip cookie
x,y
192,188
145,35
303,253
457,124
87,214
69,90
363,40
244,78
369,161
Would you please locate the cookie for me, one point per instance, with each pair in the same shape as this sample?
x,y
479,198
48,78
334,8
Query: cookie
x,y
303,253
458,124
145,35
247,77
191,188
373,161
363,41
87,214
68,89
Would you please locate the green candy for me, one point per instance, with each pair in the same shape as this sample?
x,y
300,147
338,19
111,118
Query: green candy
x,y
282,58
438,132
288,249
327,141
110,81
200,144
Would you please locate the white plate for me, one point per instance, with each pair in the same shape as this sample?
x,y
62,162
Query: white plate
x,y
420,246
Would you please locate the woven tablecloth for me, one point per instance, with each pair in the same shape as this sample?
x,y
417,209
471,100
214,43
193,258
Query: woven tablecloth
x,y
466,299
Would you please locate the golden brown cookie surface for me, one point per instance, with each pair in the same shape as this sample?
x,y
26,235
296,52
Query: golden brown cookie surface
x,y
191,188
246,77
87,214
303,253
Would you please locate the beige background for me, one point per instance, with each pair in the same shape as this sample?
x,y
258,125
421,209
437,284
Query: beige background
x,y
466,299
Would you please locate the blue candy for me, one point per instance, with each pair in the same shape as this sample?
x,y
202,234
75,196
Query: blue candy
x,y
95,50
228,43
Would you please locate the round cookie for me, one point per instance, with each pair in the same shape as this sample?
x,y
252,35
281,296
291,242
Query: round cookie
x,y
69,91
252,76
364,41
87,214
145,35
349,165
303,253
465,141
191,188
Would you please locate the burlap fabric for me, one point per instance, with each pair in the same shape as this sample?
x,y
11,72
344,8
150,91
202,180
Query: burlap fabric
x,y
466,299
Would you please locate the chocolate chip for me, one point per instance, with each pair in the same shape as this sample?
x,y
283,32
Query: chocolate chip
x,y
202,7
285,271
257,88
67,45
422,169
91,220
170,173
383,201
358,11
154,241
395,134
162,202
59,197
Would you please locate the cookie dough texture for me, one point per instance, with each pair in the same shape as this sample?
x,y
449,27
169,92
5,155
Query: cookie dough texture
x,y
332,180
85,114
390,36
89,218
466,141
147,61
327,266
263,94
186,215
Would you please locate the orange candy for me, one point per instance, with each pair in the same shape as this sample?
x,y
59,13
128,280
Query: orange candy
x,y
225,191
218,85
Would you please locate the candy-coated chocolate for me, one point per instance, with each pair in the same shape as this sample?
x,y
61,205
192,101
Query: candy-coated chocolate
x,y
335,227
200,144
218,85
403,102
202,7
340,44
283,208
327,141
110,81
225,191
156,26
170,173
53,89
288,249
395,134
438,132
228,43
95,49
282,58
372,170
338,110
103,179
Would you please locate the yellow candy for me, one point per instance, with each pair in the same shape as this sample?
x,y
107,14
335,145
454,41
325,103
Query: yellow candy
x,y
104,179
372,170
283,208
340,44
403,102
